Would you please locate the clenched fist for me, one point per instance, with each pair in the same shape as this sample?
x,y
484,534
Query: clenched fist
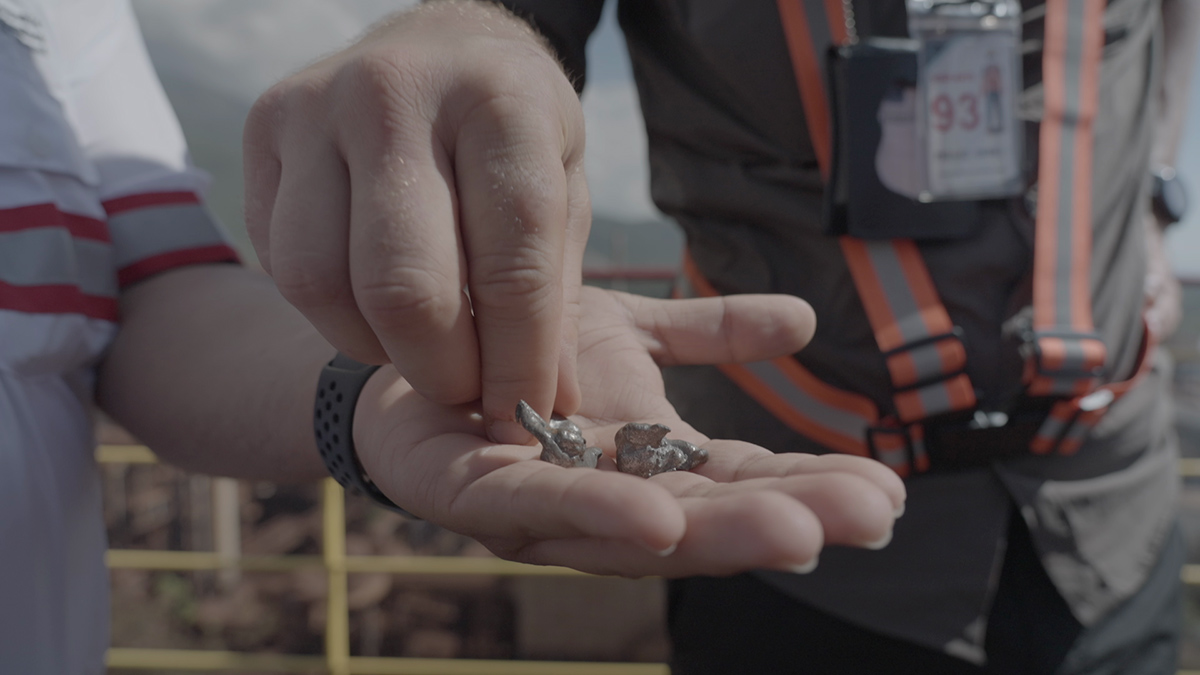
x,y
420,197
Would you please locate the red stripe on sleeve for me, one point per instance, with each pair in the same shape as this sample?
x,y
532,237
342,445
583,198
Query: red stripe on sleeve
x,y
134,272
56,299
48,215
149,199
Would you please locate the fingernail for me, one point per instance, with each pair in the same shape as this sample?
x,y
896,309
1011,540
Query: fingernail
x,y
806,567
899,510
503,431
661,552
881,542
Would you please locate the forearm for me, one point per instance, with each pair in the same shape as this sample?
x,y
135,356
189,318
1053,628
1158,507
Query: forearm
x,y
216,373
1181,36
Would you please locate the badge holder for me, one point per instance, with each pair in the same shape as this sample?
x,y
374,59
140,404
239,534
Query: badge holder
x,y
969,76
899,168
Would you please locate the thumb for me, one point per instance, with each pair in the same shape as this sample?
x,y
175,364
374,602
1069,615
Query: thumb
x,y
730,329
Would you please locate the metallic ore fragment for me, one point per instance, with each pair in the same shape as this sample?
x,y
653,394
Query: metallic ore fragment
x,y
562,441
643,450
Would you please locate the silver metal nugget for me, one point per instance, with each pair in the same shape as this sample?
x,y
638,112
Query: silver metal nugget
x,y
562,442
643,450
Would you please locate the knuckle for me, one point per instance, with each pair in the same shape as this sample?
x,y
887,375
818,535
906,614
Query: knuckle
x,y
387,78
292,105
508,282
265,114
307,285
305,95
389,92
502,107
374,73
414,299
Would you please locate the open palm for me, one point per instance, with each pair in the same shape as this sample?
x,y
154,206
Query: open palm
x,y
746,508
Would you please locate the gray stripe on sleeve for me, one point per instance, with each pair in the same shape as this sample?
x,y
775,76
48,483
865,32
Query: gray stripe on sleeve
x,y
147,232
45,256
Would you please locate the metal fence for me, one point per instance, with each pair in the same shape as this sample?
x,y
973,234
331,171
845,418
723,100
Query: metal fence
x,y
337,565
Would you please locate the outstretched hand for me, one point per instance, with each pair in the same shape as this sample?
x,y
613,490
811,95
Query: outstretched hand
x,y
746,508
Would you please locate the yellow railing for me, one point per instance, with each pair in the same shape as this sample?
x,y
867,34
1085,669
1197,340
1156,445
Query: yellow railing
x,y
337,659
337,565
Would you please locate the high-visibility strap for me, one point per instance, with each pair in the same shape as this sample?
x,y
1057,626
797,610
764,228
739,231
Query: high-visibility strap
x,y
1071,420
811,26
842,420
1065,356
831,416
925,355
924,352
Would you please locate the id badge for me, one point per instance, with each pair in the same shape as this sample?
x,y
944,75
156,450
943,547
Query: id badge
x,y
969,140
873,185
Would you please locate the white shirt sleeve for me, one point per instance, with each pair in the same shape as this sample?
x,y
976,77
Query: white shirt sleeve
x,y
129,133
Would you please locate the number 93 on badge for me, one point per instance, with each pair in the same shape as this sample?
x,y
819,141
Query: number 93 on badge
x,y
968,80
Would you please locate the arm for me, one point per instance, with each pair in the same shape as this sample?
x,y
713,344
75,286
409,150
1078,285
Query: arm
x,y
217,373
1181,36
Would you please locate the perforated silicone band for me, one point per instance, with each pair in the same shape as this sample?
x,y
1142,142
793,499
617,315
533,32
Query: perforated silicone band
x,y
342,380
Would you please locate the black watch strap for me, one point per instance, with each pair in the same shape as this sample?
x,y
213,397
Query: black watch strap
x,y
1168,196
342,380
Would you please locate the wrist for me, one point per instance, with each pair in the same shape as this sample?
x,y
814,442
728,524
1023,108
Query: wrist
x,y
460,17
337,429
380,394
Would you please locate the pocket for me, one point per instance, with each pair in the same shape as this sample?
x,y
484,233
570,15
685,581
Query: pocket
x,y
1100,537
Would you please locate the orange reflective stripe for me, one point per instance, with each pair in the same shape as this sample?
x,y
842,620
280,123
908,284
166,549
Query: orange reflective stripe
x,y
870,292
911,325
1056,424
844,401
841,420
904,309
836,17
1069,353
807,62
917,404
920,456
1070,421
849,402
850,439
1070,70
833,417
699,285
927,315
892,450
1068,364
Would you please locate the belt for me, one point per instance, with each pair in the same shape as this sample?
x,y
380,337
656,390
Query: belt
x,y
971,439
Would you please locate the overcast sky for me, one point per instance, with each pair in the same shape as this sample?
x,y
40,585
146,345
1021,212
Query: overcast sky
x,y
240,48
